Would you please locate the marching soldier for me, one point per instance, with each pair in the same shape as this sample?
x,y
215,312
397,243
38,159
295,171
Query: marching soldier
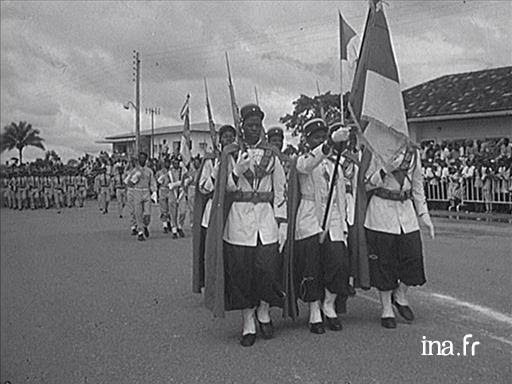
x,y
47,190
129,195
81,185
5,189
103,188
58,188
40,191
177,202
321,259
120,189
242,252
144,191
275,137
190,187
393,234
33,189
12,191
205,185
21,190
70,188
163,179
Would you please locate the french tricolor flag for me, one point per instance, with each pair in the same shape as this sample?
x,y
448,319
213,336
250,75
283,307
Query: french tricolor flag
x,y
375,97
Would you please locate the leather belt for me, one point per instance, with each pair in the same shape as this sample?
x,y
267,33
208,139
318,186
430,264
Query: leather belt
x,y
393,195
252,197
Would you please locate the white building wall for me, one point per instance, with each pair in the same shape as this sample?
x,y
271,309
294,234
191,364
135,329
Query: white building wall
x,y
481,128
170,142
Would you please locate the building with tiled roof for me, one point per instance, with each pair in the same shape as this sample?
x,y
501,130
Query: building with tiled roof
x,y
475,105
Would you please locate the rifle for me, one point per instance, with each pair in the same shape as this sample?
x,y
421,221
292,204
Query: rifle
x,y
323,235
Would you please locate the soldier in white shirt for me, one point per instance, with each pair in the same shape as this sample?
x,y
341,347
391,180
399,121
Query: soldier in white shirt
x,y
177,199
81,184
130,193
255,228
119,187
393,234
321,257
163,180
103,187
143,182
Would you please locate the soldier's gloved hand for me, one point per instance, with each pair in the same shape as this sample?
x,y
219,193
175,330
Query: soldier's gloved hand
x,y
153,197
425,219
242,164
340,135
283,233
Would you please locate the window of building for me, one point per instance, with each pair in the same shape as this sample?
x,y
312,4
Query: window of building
x,y
176,146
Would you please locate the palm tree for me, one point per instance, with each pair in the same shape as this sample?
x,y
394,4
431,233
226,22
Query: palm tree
x,y
20,136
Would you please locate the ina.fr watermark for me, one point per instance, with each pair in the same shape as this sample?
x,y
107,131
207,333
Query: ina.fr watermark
x,y
448,347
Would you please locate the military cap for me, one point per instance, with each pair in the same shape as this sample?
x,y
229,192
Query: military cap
x,y
314,125
275,131
335,126
226,128
251,110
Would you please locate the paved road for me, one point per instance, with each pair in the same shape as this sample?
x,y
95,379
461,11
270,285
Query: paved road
x,y
83,302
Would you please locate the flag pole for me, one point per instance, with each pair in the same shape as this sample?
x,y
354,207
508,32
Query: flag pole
x,y
322,111
341,70
211,123
234,107
256,96
325,229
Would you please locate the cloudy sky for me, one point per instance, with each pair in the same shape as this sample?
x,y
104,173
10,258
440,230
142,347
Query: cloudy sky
x,y
66,67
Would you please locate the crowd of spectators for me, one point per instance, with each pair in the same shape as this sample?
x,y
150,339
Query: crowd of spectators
x,y
469,170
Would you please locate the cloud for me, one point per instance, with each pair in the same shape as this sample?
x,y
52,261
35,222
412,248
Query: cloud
x,y
67,67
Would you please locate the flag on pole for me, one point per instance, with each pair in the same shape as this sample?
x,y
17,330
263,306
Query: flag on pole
x,y
375,98
185,136
349,43
211,123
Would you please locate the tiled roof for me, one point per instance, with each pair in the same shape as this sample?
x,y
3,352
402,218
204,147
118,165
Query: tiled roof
x,y
194,127
484,91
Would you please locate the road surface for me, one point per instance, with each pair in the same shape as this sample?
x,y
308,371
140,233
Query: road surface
x,y
83,302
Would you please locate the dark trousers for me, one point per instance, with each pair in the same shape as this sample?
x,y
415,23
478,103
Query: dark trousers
x,y
318,266
252,274
395,258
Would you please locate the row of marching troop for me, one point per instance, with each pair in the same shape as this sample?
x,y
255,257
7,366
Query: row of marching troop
x,y
58,187
271,229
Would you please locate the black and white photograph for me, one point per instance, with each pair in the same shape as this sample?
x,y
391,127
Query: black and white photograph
x,y
267,192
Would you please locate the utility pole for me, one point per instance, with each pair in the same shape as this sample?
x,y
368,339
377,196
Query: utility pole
x,y
136,79
152,112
